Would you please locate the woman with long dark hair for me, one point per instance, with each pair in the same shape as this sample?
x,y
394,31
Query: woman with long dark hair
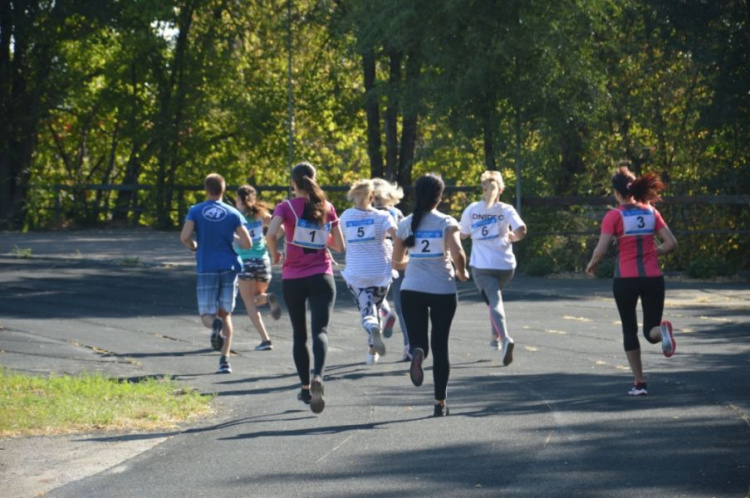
x,y
256,264
428,293
634,224
310,226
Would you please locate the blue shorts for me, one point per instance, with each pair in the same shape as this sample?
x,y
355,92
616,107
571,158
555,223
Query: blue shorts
x,y
256,269
216,290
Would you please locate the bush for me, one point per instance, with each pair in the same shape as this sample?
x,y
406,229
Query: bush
x,y
606,269
537,267
710,268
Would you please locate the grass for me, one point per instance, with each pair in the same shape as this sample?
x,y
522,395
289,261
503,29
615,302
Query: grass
x,y
21,252
66,404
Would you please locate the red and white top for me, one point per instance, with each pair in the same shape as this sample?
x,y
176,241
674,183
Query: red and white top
x,y
634,225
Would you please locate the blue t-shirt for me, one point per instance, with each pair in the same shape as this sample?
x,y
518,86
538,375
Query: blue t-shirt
x,y
215,223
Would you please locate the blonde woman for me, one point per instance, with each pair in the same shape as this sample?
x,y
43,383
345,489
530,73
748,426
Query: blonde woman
x,y
256,265
368,261
387,195
493,227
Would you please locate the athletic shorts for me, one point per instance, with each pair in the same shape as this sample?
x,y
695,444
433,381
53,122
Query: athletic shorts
x,y
216,290
256,269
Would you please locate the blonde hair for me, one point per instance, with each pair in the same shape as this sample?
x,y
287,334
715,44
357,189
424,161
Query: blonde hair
x,y
360,190
495,176
386,193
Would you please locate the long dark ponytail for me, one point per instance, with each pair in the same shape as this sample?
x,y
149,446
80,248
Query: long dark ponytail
x,y
427,190
645,188
303,176
251,205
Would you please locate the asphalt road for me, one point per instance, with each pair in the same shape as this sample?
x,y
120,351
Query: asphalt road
x,y
556,422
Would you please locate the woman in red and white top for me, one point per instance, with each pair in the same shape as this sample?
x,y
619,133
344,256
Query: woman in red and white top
x,y
634,224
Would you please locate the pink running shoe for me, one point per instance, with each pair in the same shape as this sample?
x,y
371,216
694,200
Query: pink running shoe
x,y
668,345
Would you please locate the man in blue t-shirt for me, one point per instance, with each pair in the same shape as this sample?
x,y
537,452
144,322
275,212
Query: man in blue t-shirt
x,y
215,225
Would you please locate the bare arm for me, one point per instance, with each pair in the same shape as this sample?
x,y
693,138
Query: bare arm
x,y
186,236
600,250
336,241
399,260
668,244
272,237
457,253
245,241
518,234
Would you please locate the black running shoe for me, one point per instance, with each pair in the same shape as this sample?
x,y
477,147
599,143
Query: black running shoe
x,y
304,396
638,389
273,303
224,366
217,340
441,411
264,346
317,403
415,371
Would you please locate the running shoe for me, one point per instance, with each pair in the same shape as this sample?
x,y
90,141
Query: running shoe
x,y
377,339
638,389
264,346
388,322
217,340
317,403
668,344
406,355
495,343
415,371
507,351
304,396
273,303
372,357
441,411
224,366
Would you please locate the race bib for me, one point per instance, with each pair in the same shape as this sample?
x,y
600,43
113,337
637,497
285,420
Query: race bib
x,y
310,234
485,229
359,231
255,228
427,244
638,221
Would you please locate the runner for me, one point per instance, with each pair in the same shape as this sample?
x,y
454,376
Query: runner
x,y
387,195
311,226
215,224
368,271
637,270
493,227
428,293
256,265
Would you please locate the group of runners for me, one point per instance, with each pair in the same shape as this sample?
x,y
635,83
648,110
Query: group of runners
x,y
418,258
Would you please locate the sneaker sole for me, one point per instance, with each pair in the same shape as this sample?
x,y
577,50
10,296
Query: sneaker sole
x,y
317,403
273,303
416,372
508,356
668,345
377,342
217,341
388,327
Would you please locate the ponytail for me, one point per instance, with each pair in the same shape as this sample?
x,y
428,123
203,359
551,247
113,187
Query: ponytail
x,y
428,189
646,188
250,205
316,206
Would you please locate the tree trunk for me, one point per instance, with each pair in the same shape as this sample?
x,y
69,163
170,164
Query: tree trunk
x,y
391,115
372,109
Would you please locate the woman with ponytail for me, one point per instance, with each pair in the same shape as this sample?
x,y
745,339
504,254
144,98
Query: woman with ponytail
x,y
256,265
311,226
428,293
634,225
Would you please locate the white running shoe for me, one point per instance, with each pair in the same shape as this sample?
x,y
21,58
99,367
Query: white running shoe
x,y
406,355
495,343
668,344
377,338
372,357
507,351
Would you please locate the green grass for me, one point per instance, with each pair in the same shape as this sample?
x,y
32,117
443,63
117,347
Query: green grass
x,y
21,252
64,404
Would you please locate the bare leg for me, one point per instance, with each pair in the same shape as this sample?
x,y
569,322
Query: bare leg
x,y
634,359
248,291
227,331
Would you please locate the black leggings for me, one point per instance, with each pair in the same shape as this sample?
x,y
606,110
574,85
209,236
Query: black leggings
x,y
651,292
320,290
420,310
